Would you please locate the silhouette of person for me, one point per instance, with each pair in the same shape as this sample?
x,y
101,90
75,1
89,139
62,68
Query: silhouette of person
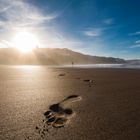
x,y
72,63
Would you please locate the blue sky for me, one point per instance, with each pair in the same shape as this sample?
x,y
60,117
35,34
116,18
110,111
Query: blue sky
x,y
96,27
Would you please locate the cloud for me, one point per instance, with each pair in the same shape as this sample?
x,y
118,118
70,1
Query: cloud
x,y
137,42
135,33
93,32
109,21
135,46
19,13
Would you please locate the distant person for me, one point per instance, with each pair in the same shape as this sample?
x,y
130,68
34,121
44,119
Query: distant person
x,y
72,63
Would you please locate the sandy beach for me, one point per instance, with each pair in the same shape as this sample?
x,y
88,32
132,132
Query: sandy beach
x,y
39,103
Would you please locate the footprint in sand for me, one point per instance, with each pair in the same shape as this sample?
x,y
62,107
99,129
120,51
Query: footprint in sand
x,y
57,116
62,74
88,81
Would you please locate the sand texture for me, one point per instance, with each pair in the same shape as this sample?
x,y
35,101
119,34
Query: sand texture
x,y
40,103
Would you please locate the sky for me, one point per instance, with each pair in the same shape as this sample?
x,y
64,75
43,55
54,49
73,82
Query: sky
x,y
97,27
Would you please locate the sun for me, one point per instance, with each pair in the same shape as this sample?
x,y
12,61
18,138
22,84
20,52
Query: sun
x,y
25,41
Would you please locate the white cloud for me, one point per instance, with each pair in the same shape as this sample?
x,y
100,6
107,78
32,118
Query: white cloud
x,y
135,33
93,32
135,46
137,42
19,13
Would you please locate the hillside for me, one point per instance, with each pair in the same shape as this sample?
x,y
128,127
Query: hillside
x,y
55,56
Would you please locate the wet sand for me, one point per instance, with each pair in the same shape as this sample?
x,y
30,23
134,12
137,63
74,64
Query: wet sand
x,y
39,103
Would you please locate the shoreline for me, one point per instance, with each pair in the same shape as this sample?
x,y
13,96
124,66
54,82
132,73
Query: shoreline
x,y
87,66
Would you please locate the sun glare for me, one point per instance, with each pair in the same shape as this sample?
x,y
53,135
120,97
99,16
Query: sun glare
x,y
25,41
